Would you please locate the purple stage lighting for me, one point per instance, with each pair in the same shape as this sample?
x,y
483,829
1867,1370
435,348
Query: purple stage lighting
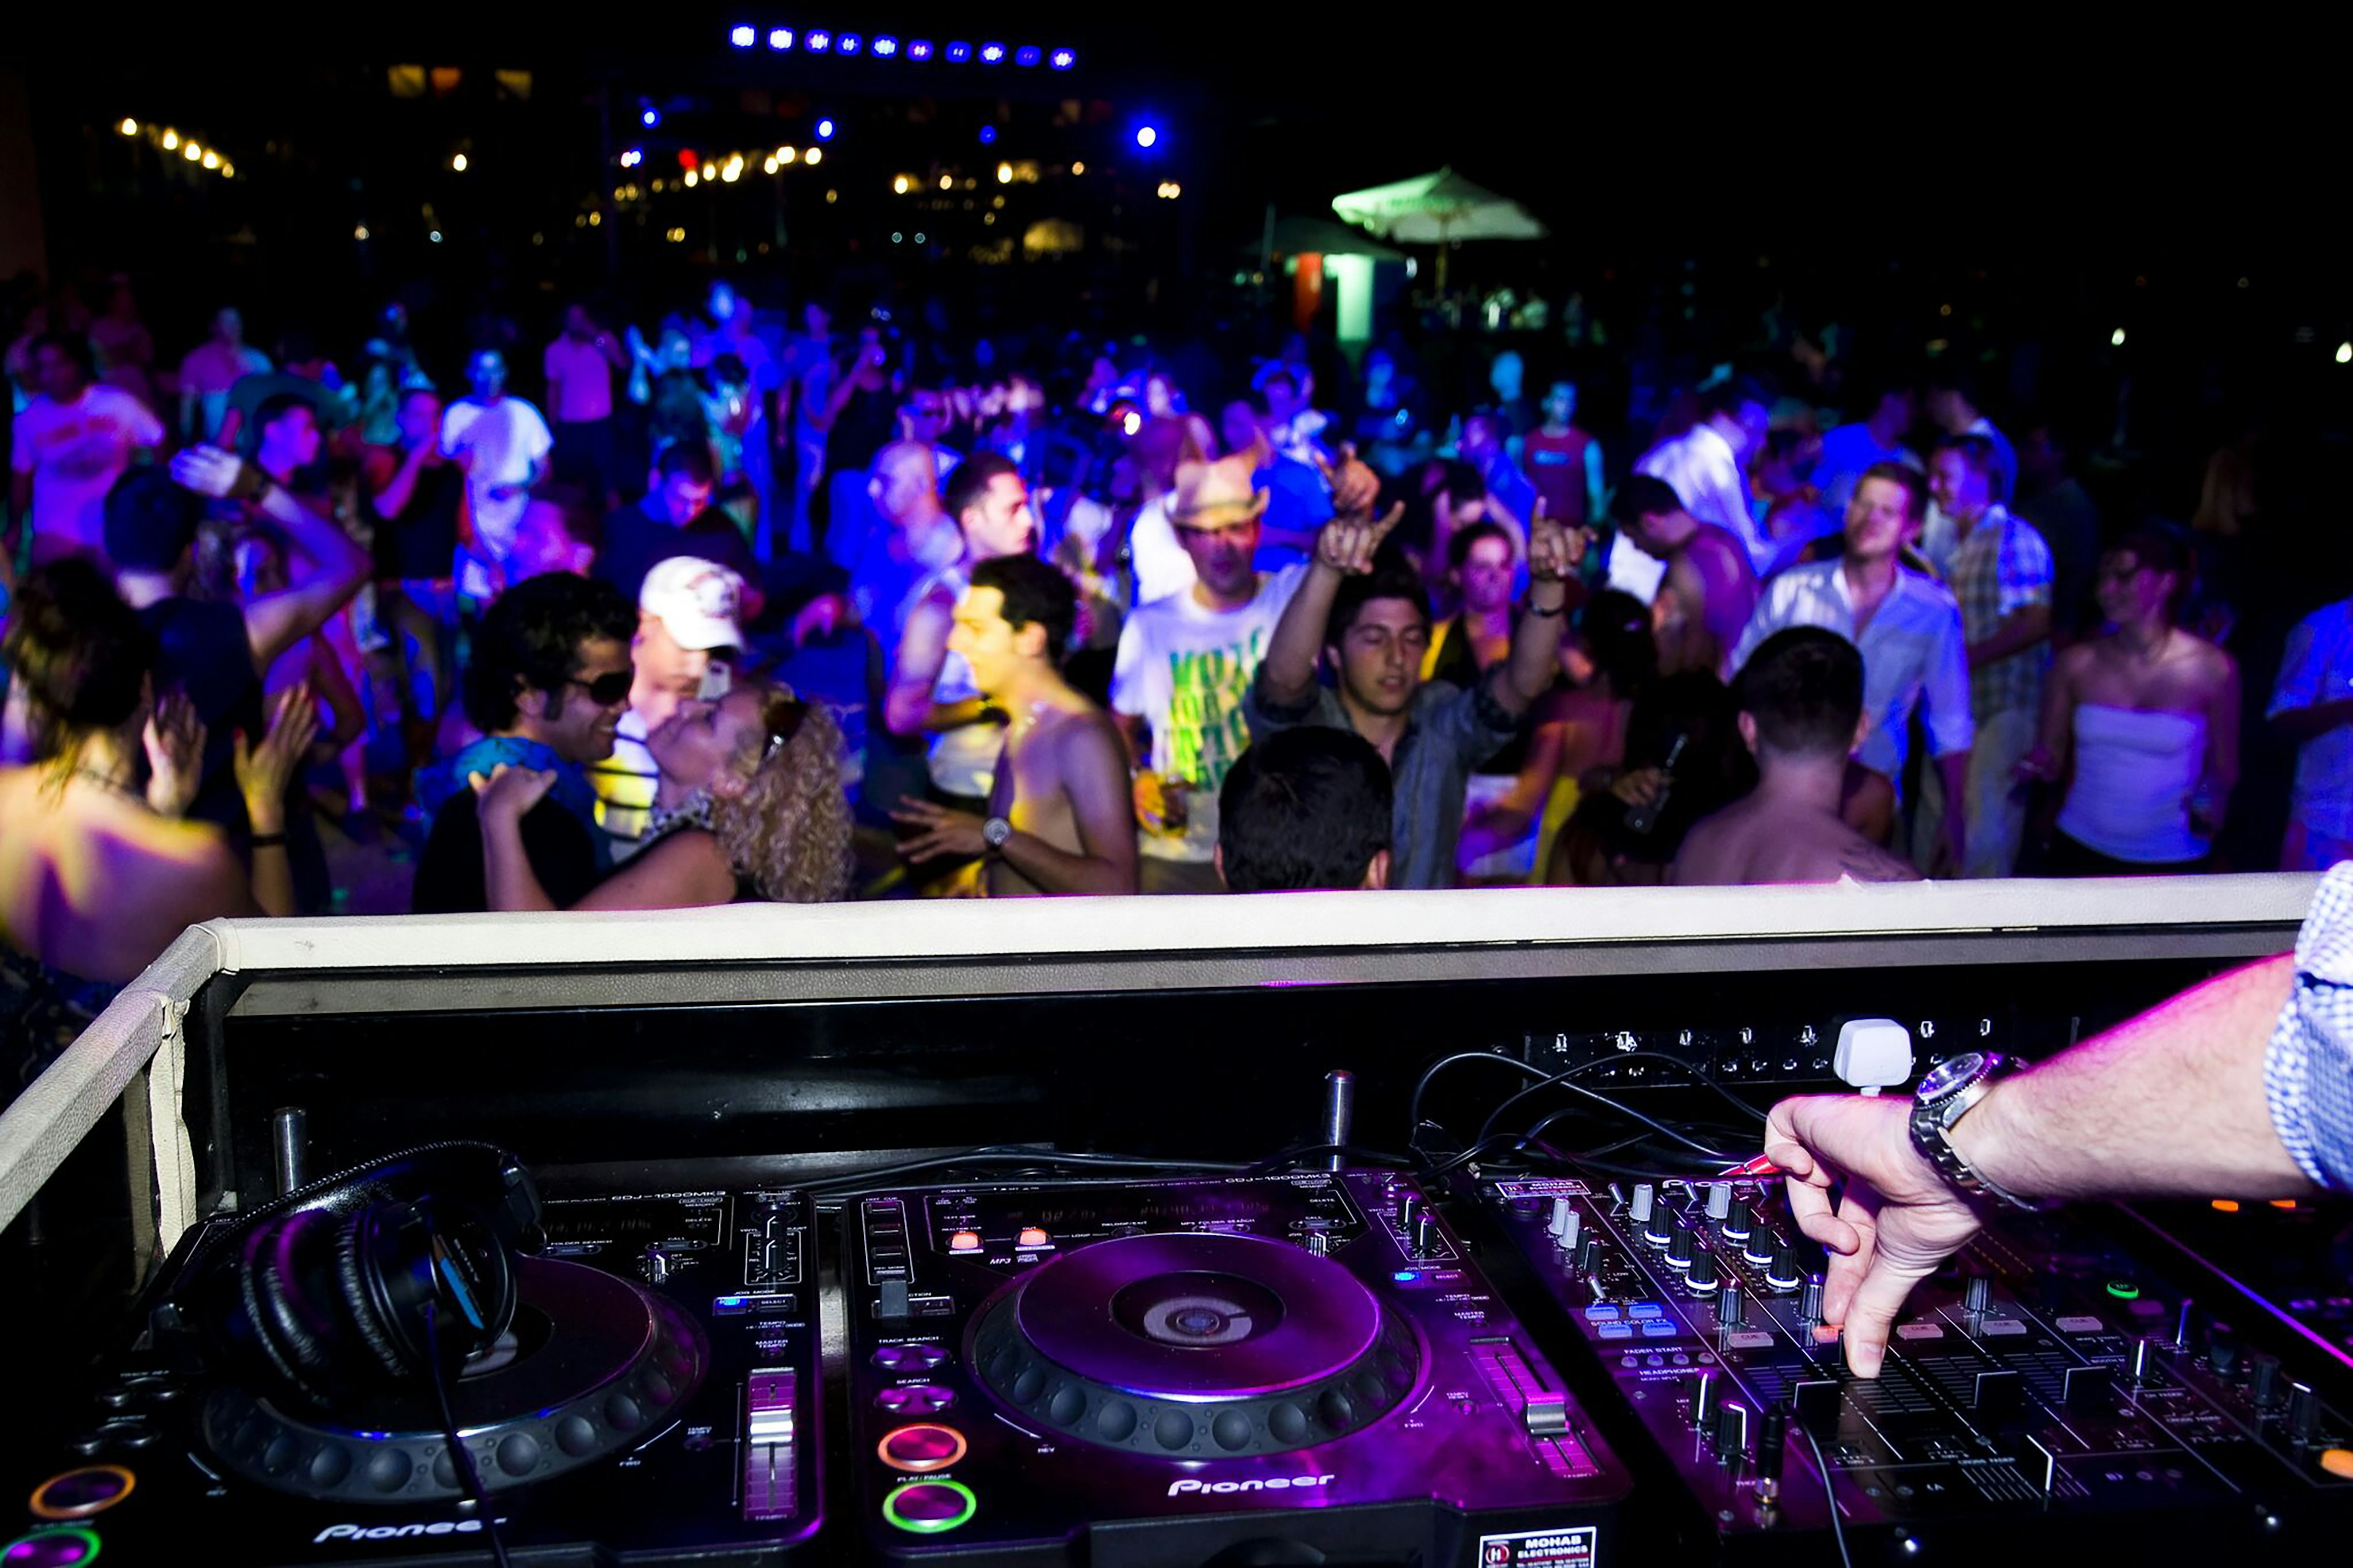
x,y
651,116
1063,60
988,135
1027,55
817,41
919,48
959,52
990,54
845,43
1145,135
885,46
780,37
741,34
825,129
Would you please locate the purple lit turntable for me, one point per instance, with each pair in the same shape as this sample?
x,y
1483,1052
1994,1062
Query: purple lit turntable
x,y
1243,1369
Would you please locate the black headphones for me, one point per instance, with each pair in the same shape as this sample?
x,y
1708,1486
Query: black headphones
x,y
354,1282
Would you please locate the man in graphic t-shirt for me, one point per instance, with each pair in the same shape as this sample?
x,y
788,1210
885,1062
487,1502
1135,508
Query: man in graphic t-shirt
x,y
70,445
1185,664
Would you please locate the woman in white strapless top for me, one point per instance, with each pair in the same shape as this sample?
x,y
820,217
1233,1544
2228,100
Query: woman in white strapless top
x,y
2142,722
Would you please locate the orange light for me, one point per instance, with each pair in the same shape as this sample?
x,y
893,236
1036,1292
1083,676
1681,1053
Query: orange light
x,y
1031,1235
2283,1203
2226,1205
964,1241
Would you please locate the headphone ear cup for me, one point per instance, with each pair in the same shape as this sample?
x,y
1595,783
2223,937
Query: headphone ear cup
x,y
272,1313
356,1260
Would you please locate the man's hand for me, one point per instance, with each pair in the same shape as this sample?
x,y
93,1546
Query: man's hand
x,y
1161,803
1895,1224
1348,545
1554,550
1355,488
822,619
508,793
943,832
208,470
175,740
264,771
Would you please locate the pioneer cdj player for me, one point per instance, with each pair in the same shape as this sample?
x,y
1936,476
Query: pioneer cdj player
x,y
1278,1369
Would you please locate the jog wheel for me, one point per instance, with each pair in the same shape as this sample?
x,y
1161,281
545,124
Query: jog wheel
x,y
1194,1345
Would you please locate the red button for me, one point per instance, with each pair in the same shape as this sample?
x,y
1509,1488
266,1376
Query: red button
x,y
921,1447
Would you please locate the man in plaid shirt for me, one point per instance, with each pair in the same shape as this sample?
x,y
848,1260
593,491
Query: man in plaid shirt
x,y
2242,1085
2001,574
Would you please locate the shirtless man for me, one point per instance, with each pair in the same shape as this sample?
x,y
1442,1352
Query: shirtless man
x,y
1059,815
1710,589
1800,698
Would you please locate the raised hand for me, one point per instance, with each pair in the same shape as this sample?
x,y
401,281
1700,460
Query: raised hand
x,y
175,739
263,772
208,470
509,793
1355,488
1552,550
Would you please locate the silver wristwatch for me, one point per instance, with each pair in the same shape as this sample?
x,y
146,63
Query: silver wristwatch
x,y
1946,1095
995,832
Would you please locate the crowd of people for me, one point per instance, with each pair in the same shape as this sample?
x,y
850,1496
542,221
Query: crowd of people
x,y
732,612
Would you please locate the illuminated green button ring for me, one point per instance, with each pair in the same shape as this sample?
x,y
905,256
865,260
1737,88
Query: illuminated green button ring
x,y
929,1508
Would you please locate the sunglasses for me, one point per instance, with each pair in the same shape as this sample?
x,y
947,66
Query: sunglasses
x,y
608,689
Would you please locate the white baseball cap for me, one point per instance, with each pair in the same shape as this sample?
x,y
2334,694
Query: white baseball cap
x,y
696,602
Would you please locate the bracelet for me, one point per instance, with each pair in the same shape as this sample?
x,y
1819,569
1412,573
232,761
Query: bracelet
x,y
1541,614
269,841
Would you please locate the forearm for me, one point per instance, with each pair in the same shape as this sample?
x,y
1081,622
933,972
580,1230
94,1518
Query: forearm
x,y
333,551
1952,773
2304,723
2169,1103
1535,647
1060,871
940,716
1288,674
400,489
2015,633
506,877
273,870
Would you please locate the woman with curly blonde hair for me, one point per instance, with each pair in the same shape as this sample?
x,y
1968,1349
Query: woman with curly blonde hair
x,y
757,811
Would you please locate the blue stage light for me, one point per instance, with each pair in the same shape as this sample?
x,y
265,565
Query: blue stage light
x,y
651,116
919,48
741,35
845,43
817,41
825,130
780,37
959,52
988,135
1027,55
1145,135
1063,60
991,54
885,46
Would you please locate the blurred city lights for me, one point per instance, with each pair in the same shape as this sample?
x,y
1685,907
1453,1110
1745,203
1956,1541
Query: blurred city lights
x,y
2117,339
128,127
693,178
959,52
885,46
1005,173
435,236
651,116
947,182
780,37
818,40
786,155
457,163
990,54
360,233
847,43
2345,354
211,159
814,156
1027,55
988,135
191,152
1145,135
919,48
825,130
1078,167
1063,60
742,36
899,185
170,141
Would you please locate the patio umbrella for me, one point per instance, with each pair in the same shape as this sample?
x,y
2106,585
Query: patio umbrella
x,y
1438,209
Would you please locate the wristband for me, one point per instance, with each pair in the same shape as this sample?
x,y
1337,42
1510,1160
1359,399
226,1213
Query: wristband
x,y
249,483
1541,614
269,841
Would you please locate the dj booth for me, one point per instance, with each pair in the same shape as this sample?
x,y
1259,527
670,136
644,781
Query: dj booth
x,y
1323,1228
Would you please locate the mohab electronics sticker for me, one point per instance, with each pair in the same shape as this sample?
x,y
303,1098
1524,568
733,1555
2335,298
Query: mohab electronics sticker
x,y
1540,1548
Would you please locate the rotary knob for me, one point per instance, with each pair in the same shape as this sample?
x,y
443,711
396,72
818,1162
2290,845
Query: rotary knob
x,y
1646,1197
1679,1247
1719,1200
1703,1277
1809,1302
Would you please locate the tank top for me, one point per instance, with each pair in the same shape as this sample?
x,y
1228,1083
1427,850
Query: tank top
x,y
2134,775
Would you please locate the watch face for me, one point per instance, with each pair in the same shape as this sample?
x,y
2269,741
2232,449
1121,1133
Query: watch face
x,y
1942,1080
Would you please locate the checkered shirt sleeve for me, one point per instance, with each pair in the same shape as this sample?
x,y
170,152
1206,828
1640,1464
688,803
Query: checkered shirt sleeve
x,y
2309,1066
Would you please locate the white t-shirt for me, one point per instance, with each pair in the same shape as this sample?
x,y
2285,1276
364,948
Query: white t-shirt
x,y
75,451
581,379
1184,669
506,440
1162,567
